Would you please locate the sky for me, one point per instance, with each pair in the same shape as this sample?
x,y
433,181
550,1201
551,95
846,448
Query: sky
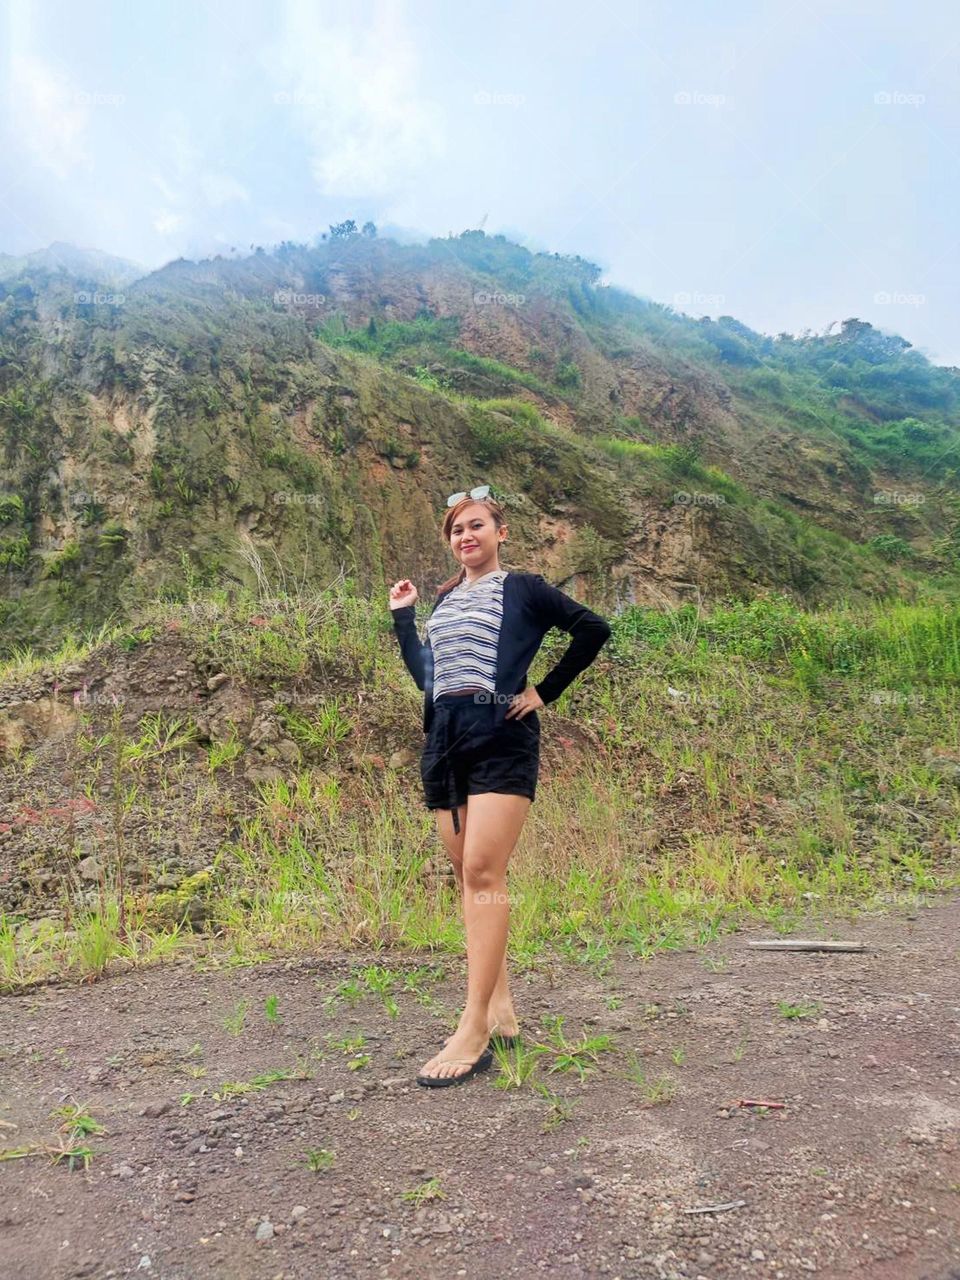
x,y
790,164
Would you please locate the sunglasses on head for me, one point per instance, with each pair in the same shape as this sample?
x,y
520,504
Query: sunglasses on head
x,y
478,493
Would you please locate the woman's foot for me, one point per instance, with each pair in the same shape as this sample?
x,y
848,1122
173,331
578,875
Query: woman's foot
x,y
505,1024
464,1047
503,1019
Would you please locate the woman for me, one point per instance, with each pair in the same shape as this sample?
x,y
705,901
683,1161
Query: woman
x,y
483,742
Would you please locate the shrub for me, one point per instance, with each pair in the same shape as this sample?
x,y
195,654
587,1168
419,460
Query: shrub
x,y
566,374
889,547
490,438
14,551
11,508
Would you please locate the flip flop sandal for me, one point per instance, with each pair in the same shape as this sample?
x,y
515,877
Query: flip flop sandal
x,y
438,1082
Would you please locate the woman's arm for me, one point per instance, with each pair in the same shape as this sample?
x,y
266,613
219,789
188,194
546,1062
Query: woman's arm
x,y
590,633
417,656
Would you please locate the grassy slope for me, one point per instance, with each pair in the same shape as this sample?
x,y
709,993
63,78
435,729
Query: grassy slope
x,y
747,760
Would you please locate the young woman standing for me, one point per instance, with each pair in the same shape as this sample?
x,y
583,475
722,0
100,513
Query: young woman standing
x,y
481,755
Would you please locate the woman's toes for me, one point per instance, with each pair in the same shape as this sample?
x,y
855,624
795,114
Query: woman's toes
x,y
455,1058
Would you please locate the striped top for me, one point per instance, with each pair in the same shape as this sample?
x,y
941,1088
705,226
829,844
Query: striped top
x,y
463,632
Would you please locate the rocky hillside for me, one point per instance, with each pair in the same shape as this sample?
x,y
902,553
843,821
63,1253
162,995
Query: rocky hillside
x,y
314,406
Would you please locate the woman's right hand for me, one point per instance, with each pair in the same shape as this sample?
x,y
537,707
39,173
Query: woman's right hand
x,y
403,593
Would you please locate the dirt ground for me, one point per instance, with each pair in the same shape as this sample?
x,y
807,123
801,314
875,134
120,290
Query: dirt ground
x,y
858,1175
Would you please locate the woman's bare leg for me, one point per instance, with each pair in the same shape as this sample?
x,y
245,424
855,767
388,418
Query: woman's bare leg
x,y
495,822
500,1011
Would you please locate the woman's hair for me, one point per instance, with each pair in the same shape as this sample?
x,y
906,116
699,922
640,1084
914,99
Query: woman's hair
x,y
499,518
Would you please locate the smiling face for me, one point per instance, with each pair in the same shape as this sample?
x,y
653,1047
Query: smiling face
x,y
475,539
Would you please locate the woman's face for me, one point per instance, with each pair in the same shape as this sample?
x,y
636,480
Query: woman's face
x,y
474,537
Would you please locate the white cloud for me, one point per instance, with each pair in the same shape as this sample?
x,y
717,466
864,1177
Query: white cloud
x,y
166,222
168,193
47,116
186,185
186,156
355,95
220,188
284,229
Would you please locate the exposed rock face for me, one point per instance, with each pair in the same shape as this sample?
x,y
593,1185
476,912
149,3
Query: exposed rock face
x,y
28,724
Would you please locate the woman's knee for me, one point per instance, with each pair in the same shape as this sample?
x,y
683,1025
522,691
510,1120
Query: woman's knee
x,y
481,872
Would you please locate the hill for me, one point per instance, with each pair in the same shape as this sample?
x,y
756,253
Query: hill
x,y
316,405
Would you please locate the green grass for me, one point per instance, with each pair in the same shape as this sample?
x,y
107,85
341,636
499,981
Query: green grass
x,y
434,338
234,1021
653,1092
384,339
429,1190
77,1124
801,762
520,410
320,1159
803,1009
495,369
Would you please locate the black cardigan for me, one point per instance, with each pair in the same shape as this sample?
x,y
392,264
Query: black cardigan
x,y
531,606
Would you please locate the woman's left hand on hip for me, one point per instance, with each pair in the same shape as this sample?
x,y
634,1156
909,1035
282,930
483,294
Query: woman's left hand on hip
x,y
523,703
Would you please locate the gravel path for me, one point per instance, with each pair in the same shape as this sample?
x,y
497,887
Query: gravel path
x,y
858,1175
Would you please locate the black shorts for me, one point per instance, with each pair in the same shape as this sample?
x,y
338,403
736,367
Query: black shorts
x,y
464,755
